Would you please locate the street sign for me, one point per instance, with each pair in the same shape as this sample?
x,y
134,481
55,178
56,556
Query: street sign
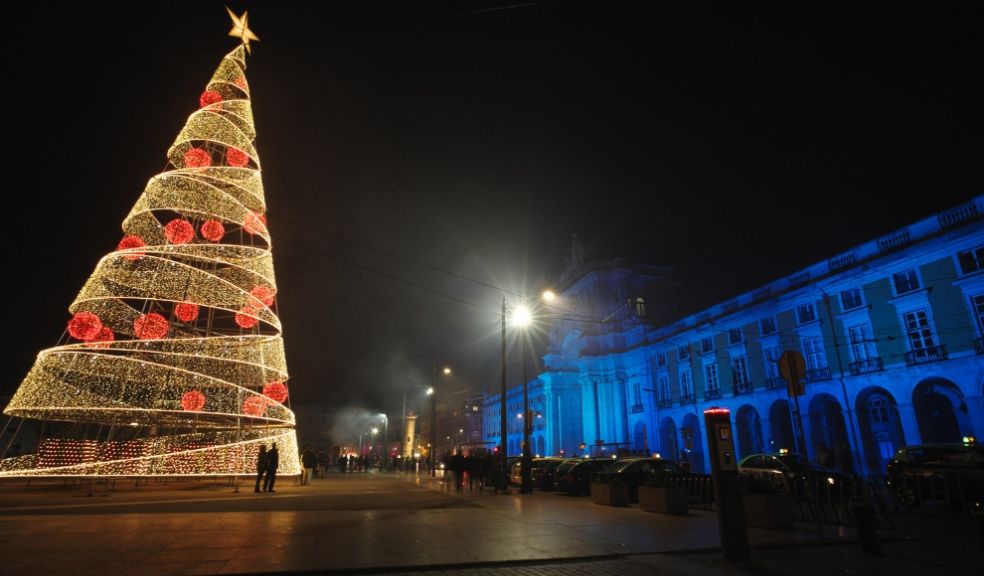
x,y
792,368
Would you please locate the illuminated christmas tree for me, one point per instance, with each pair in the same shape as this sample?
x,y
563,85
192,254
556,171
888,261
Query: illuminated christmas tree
x,y
173,361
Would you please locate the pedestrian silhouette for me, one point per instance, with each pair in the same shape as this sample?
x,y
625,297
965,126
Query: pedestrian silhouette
x,y
309,460
261,466
273,460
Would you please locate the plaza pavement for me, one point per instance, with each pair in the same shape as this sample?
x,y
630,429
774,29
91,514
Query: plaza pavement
x,y
407,523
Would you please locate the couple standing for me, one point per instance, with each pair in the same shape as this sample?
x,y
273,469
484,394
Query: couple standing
x,y
266,468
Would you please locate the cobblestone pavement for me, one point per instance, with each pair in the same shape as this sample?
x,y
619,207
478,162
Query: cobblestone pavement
x,y
406,524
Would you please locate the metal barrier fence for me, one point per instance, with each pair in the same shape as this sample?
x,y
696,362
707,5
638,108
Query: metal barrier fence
x,y
945,495
699,488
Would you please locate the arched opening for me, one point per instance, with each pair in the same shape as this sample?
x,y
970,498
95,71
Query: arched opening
x,y
881,429
827,428
748,428
781,427
692,450
668,446
941,411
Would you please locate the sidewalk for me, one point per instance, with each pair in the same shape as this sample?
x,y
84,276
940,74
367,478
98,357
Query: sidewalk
x,y
916,546
389,523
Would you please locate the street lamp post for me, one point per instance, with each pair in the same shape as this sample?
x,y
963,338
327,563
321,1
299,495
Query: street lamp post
x,y
372,456
432,392
433,432
386,424
503,463
522,319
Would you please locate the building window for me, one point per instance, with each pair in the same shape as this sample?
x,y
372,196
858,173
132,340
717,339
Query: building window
x,y
735,336
806,313
660,359
739,368
878,409
851,299
686,384
636,394
906,281
664,387
711,372
772,361
640,307
706,345
971,260
813,353
979,311
683,352
861,344
767,325
920,332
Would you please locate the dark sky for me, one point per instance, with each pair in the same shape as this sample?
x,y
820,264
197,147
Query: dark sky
x,y
735,146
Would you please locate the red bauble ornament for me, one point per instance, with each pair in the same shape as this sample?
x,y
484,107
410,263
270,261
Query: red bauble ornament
x,y
150,326
255,406
193,401
236,157
264,294
186,311
276,391
179,231
103,339
255,223
212,230
245,317
85,326
197,158
209,97
131,241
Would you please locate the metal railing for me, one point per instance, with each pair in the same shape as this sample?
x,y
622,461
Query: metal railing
x,y
867,366
817,374
775,382
926,355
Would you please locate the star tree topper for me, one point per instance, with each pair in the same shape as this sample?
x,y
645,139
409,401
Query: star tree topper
x,y
240,28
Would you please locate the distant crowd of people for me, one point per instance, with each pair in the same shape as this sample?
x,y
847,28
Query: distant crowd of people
x,y
477,470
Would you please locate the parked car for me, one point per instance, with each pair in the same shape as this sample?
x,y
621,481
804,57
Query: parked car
x,y
574,476
633,472
948,472
543,475
788,473
542,472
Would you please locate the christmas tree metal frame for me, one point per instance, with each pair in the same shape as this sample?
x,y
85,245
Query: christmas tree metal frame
x,y
173,362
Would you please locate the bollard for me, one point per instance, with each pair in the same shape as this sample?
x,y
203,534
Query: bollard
x,y
865,520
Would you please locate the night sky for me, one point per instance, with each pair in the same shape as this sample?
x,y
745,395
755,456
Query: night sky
x,y
474,138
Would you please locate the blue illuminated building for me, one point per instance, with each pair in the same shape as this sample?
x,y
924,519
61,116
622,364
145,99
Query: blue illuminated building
x,y
891,332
